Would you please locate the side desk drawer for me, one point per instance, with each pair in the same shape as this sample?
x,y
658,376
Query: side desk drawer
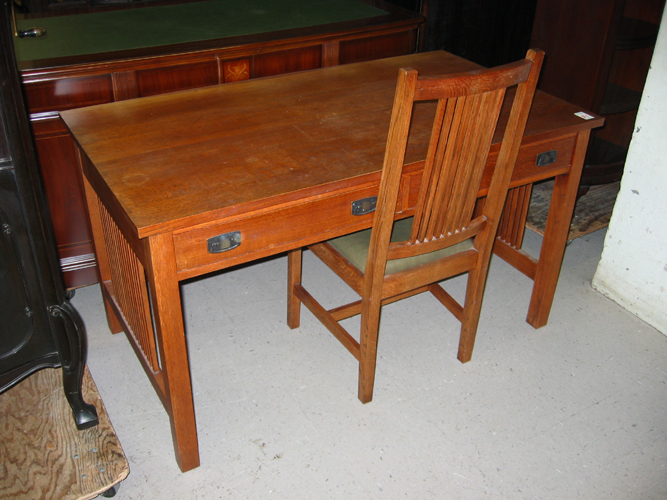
x,y
270,232
541,159
535,162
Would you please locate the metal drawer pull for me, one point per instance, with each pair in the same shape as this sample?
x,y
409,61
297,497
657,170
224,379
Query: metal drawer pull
x,y
364,206
547,158
224,242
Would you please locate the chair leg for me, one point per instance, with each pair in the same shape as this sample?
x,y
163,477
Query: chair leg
x,y
294,259
471,311
370,322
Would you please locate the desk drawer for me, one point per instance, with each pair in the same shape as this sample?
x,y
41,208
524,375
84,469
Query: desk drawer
x,y
271,232
526,170
541,159
535,162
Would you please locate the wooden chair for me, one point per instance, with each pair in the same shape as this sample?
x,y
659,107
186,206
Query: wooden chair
x,y
447,235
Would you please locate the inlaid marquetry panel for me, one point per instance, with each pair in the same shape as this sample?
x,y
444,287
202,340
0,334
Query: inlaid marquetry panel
x,y
235,71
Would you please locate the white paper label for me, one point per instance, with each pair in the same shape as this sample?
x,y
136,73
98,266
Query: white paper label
x,y
583,115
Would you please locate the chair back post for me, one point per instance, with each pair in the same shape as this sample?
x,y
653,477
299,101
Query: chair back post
x,y
512,138
391,176
384,217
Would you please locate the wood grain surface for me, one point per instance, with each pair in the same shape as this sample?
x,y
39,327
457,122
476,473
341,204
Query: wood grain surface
x,y
43,455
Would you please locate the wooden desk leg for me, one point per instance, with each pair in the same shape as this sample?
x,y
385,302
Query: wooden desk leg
x,y
100,248
168,314
555,236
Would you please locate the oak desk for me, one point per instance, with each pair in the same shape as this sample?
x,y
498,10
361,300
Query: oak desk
x,y
273,164
99,57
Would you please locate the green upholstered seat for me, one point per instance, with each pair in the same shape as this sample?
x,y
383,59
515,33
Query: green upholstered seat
x,y
354,247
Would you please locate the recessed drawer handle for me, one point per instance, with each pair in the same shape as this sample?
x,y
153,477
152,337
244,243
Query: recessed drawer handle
x,y
364,206
547,158
224,242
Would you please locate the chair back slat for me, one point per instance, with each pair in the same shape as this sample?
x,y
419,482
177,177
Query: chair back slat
x,y
444,130
454,155
462,132
484,117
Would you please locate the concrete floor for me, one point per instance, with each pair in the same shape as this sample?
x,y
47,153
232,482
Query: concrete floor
x,y
574,410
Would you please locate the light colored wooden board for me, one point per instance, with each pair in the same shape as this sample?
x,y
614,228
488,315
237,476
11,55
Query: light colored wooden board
x,y
43,455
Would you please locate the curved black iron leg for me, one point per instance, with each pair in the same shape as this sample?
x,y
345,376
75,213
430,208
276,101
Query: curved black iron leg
x,y
73,355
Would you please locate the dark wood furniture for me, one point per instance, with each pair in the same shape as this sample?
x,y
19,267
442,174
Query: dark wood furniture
x,y
487,32
65,7
449,234
40,328
71,78
184,184
598,55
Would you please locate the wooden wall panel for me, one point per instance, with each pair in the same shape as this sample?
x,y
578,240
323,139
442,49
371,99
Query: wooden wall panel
x,y
276,63
69,93
367,49
57,156
172,78
124,85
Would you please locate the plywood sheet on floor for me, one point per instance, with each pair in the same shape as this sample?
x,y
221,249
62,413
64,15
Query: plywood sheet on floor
x,y
43,455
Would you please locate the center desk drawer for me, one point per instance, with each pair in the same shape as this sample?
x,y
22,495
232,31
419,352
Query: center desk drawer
x,y
269,232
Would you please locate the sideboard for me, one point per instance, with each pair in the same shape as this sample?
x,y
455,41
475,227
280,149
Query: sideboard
x,y
100,57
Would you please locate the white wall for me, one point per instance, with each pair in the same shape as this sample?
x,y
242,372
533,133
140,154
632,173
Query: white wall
x,y
633,267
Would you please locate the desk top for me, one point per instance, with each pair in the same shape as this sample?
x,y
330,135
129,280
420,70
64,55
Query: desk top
x,y
109,32
176,160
